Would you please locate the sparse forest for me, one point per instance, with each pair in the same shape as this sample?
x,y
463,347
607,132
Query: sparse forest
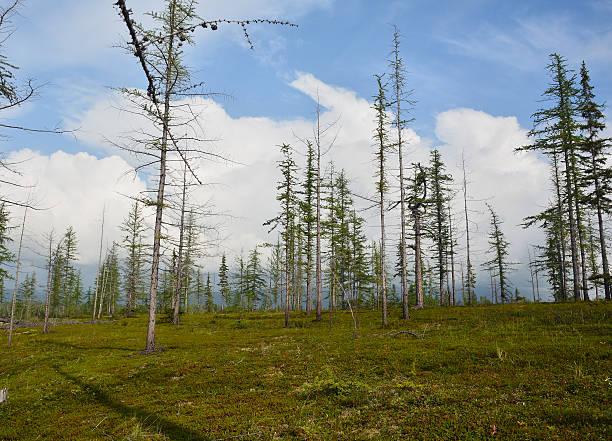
x,y
370,309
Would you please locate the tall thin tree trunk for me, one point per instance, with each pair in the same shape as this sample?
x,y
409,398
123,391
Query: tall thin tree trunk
x,y
452,253
150,345
602,233
93,315
102,291
179,265
531,274
319,287
467,232
10,339
398,122
572,225
48,290
418,264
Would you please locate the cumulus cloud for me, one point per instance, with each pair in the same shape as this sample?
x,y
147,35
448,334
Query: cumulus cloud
x,y
515,184
72,191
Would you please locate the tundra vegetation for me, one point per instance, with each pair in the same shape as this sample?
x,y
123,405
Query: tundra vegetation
x,y
163,346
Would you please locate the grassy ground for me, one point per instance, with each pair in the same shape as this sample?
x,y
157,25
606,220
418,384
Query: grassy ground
x,y
509,372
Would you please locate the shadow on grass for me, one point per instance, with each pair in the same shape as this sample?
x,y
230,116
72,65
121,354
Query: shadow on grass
x,y
173,431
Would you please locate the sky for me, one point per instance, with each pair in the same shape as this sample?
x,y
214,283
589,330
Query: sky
x,y
477,70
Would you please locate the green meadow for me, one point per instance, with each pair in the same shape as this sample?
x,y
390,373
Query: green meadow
x,y
512,372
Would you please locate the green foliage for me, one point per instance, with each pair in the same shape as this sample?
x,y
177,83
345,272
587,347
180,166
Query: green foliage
x,y
6,257
224,286
535,371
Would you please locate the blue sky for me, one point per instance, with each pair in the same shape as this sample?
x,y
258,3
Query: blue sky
x,y
485,55
477,69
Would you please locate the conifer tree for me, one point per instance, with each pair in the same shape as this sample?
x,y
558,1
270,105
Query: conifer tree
x,y
286,218
224,286
133,227
255,281
208,295
308,216
470,282
439,198
400,95
598,174
499,265
417,205
26,293
6,257
555,135
381,136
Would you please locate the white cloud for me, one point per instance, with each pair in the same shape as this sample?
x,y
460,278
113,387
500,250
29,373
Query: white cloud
x,y
516,184
74,189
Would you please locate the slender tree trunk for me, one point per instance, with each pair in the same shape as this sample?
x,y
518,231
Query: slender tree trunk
x,y
398,122
102,291
179,265
602,233
10,339
418,264
48,290
531,274
467,233
319,287
93,315
581,245
452,253
150,345
382,246
572,225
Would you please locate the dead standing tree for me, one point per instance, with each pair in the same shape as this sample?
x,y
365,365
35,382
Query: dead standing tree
x,y
159,54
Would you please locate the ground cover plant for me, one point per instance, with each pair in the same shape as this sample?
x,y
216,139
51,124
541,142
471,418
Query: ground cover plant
x,y
514,371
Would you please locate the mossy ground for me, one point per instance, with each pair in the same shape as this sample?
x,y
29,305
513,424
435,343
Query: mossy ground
x,y
527,371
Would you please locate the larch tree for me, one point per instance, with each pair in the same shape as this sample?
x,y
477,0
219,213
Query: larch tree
x,y
470,282
224,285
160,55
6,256
400,107
308,215
499,264
383,146
286,218
133,228
439,197
598,175
417,205
555,135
